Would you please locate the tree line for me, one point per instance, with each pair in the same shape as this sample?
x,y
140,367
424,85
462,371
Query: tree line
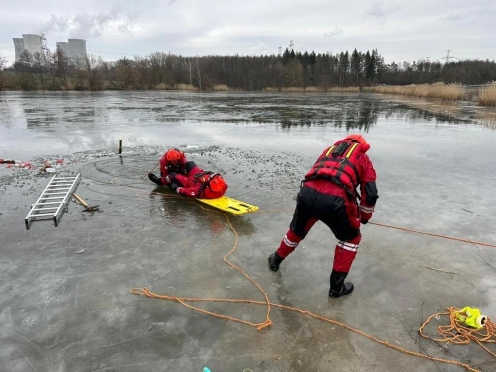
x,y
54,71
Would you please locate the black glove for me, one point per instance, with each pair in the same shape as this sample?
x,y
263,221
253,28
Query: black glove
x,y
154,179
170,177
173,186
364,222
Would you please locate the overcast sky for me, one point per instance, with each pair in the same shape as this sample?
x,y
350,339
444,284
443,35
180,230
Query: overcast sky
x,y
400,30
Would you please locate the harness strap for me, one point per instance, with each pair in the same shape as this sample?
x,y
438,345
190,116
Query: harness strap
x,y
204,182
335,154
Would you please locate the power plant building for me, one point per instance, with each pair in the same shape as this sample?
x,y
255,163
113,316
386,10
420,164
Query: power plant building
x,y
64,47
73,49
29,42
19,47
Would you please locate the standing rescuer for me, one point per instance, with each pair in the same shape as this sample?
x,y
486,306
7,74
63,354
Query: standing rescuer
x,y
329,194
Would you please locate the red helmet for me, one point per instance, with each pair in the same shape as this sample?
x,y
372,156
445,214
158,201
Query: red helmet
x,y
217,183
173,156
356,138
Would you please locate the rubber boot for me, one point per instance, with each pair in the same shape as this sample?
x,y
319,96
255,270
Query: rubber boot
x,y
274,261
338,286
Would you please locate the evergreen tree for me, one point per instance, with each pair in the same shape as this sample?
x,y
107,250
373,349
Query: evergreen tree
x,y
355,66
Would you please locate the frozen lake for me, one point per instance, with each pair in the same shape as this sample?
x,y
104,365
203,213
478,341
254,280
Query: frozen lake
x,y
61,123
66,311
438,152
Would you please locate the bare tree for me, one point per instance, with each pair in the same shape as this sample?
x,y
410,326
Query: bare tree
x,y
108,71
39,66
198,71
61,62
88,71
294,73
158,68
142,68
3,62
51,69
25,65
125,72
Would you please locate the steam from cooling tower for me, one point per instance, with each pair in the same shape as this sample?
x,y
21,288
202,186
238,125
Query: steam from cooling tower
x,y
85,26
338,31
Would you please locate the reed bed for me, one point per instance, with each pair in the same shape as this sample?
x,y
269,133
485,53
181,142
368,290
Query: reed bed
x,y
487,95
438,90
312,89
184,87
293,89
220,88
344,89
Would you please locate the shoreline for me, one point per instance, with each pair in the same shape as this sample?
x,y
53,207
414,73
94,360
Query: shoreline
x,y
484,95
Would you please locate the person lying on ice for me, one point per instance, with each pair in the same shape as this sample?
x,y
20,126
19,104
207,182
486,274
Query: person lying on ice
x,y
329,194
197,183
174,161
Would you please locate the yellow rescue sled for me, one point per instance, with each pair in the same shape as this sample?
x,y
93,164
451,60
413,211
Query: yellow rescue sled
x,y
230,205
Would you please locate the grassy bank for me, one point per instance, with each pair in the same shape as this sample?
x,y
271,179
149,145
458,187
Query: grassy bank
x,y
439,90
9,80
487,95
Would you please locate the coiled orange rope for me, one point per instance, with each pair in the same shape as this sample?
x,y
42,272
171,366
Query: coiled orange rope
x,y
145,292
459,334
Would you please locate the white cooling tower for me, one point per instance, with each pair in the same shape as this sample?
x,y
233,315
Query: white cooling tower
x,y
64,47
77,48
32,43
19,47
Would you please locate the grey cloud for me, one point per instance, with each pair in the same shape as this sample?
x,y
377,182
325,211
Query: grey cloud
x,y
478,12
453,16
379,10
336,32
486,11
171,2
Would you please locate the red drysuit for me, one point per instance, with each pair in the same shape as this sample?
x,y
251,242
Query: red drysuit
x,y
329,194
200,184
167,167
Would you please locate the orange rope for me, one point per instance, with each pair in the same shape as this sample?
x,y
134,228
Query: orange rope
x,y
436,235
459,334
267,322
146,175
145,292
464,336
259,326
403,229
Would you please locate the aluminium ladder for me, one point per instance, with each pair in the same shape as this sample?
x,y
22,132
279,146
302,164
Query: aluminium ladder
x,y
53,200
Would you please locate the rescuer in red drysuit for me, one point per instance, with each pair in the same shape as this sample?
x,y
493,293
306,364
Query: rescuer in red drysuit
x,y
328,194
198,183
173,161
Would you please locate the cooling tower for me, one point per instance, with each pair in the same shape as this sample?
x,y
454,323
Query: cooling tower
x,y
64,47
19,47
32,43
77,48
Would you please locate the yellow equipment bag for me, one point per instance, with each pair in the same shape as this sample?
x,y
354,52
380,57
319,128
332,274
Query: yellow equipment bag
x,y
230,205
472,317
